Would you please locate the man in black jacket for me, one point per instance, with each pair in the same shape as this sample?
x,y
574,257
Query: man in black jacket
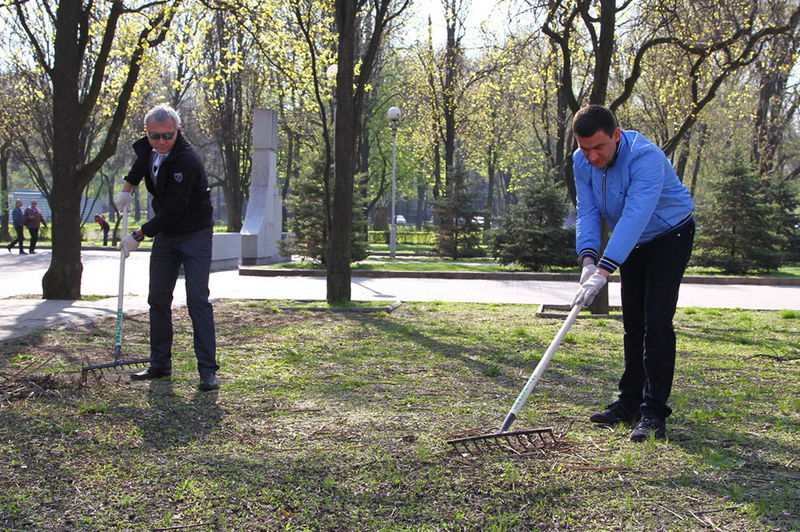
x,y
181,230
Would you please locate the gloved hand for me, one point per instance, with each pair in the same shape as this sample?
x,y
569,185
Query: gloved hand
x,y
589,290
588,270
124,200
128,244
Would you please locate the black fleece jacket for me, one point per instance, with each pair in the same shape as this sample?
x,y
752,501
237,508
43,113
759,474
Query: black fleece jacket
x,y
181,197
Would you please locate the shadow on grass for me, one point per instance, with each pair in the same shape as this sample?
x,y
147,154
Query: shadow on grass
x,y
509,372
169,421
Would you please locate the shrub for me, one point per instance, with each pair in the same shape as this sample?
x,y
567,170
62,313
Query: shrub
x,y
307,222
533,233
737,223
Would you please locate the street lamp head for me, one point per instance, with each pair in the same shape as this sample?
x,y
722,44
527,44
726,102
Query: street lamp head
x,y
394,114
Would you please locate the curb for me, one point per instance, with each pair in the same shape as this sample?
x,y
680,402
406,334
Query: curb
x,y
260,271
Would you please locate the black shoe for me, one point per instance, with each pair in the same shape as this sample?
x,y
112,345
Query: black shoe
x,y
615,413
646,427
150,373
208,382
22,252
33,253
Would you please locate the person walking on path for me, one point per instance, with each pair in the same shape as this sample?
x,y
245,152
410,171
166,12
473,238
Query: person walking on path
x,y
33,220
181,230
101,221
18,219
625,179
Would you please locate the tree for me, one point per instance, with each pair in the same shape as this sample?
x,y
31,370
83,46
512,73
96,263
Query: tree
x,y
736,221
233,87
533,234
604,47
90,54
350,93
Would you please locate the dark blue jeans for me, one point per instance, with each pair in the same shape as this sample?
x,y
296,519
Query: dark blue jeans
x,y
34,231
651,277
20,237
193,252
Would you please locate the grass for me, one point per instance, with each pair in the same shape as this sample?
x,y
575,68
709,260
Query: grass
x,y
411,265
485,264
338,421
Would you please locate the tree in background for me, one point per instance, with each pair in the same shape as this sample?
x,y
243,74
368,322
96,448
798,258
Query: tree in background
x,y
376,15
604,48
737,223
307,223
458,233
86,66
533,233
233,84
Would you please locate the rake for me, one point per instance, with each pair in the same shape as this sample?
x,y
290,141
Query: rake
x,y
118,360
520,441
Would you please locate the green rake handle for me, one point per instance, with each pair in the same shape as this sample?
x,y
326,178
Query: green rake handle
x,y
540,367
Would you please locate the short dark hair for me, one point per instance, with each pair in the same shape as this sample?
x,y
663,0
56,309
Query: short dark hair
x,y
593,118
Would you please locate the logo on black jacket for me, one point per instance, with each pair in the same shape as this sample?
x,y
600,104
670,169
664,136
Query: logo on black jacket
x,y
178,176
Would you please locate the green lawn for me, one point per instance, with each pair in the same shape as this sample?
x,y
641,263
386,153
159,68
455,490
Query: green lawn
x,y
401,263
338,421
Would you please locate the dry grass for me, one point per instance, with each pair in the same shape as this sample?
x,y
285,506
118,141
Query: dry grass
x,y
338,421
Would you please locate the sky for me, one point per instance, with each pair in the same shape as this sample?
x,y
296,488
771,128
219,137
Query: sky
x,y
491,12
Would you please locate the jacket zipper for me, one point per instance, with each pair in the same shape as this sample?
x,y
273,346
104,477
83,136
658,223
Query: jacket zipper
x,y
605,174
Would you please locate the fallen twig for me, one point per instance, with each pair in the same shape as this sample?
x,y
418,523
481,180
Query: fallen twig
x,y
716,510
42,363
179,527
676,514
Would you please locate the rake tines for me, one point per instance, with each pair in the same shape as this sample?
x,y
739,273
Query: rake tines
x,y
516,442
118,362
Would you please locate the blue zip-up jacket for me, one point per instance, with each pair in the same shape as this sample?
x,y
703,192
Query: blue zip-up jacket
x,y
639,195
17,216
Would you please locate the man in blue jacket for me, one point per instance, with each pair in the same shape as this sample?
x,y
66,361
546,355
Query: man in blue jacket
x,y
623,178
181,230
18,219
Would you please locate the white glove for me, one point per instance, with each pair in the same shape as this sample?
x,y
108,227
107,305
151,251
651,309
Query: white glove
x,y
123,201
588,270
128,244
589,290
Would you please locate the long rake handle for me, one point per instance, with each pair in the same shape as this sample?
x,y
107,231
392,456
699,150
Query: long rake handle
x,y
121,290
540,367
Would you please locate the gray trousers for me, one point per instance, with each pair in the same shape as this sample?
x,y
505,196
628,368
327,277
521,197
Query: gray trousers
x,y
193,252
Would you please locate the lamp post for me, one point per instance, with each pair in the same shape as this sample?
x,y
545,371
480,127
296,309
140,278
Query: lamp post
x,y
394,115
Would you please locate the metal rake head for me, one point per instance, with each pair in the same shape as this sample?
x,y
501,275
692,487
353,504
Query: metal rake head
x,y
515,442
100,369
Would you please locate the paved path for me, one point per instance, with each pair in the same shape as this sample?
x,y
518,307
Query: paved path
x,y
21,275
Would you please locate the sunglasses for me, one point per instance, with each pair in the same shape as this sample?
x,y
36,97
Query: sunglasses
x,y
165,136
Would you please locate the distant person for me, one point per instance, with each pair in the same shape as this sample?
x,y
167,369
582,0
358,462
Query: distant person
x,y
104,227
18,219
33,220
623,178
181,230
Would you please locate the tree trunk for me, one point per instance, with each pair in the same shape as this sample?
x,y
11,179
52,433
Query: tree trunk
x,y
287,182
452,58
491,178
421,207
63,279
346,133
5,156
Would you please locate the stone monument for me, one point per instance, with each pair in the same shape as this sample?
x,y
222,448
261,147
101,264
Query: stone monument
x,y
261,230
